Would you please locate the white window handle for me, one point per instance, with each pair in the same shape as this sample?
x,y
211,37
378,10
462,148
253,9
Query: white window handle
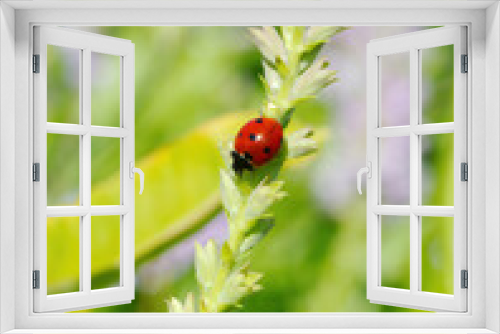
x,y
141,175
365,170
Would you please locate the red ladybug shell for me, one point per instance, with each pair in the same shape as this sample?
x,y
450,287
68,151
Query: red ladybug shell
x,y
259,140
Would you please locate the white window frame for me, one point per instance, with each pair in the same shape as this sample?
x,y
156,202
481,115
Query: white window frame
x,y
86,44
483,21
412,44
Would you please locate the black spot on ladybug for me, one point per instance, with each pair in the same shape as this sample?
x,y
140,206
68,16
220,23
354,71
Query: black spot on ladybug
x,y
252,136
240,134
258,120
267,150
248,156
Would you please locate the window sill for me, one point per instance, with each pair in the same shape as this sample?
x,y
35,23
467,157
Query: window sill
x,y
251,331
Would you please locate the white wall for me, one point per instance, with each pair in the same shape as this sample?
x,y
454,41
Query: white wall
x,y
7,160
492,163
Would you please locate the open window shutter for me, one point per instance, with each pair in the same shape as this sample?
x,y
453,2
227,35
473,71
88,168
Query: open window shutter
x,y
414,133
81,292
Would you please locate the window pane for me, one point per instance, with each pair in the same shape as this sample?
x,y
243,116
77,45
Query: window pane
x,y
437,169
105,251
105,171
63,246
437,84
63,84
395,252
395,170
395,89
437,254
105,89
63,178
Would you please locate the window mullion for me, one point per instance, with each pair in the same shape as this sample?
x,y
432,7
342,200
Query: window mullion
x,y
123,175
433,129
85,254
96,210
418,166
82,181
414,171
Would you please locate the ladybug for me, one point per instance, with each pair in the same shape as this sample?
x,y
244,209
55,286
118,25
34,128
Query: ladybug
x,y
257,142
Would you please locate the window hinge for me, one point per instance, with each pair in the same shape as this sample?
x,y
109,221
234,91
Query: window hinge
x,y
36,279
465,63
36,172
465,279
36,63
464,171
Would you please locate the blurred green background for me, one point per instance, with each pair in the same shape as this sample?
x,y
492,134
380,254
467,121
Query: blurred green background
x,y
194,86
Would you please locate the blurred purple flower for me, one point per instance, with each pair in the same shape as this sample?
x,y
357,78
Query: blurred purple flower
x,y
334,179
174,262
71,64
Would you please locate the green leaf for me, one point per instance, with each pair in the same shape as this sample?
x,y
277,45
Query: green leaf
x,y
293,37
309,55
226,254
281,67
286,117
207,264
267,88
249,242
225,146
174,305
256,233
300,143
231,197
261,226
278,31
261,199
273,79
314,79
301,99
318,34
268,42
238,284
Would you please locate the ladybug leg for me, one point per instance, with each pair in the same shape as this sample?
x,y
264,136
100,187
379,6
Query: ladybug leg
x,y
235,165
240,163
247,162
249,167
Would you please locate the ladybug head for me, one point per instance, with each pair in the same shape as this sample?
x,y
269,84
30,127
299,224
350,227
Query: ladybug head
x,y
240,163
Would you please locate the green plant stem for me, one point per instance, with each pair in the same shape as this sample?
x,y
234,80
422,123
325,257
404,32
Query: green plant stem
x,y
222,274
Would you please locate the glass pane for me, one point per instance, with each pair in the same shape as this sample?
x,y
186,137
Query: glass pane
x,y
63,178
105,250
105,171
105,89
63,255
437,254
437,84
395,252
437,169
395,170
63,84
395,89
